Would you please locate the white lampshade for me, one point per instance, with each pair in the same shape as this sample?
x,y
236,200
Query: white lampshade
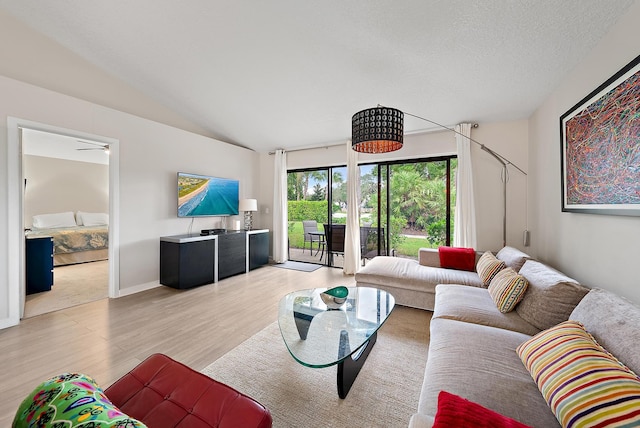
x,y
248,205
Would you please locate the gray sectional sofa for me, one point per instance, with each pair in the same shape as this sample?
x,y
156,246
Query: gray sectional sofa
x,y
413,283
472,350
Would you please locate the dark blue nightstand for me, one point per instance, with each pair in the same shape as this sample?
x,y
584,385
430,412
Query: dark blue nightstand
x,y
39,264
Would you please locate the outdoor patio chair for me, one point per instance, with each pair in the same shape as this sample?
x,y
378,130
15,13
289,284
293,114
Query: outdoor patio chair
x,y
310,226
369,243
334,234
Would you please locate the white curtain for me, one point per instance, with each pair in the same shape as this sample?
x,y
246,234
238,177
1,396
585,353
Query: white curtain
x,y
352,230
280,229
464,227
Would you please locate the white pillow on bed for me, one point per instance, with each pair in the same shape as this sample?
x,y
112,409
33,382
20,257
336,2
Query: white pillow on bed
x,y
92,219
51,221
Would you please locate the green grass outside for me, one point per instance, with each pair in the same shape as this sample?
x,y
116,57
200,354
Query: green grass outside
x,y
296,234
408,247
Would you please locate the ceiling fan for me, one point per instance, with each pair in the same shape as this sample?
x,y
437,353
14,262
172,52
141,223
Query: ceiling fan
x,y
97,146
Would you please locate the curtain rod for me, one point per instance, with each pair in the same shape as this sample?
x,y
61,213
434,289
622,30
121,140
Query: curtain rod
x,y
326,146
503,160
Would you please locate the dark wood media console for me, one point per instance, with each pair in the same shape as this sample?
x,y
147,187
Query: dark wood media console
x,y
191,260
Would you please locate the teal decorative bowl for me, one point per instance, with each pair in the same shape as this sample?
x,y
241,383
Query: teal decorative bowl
x,y
335,297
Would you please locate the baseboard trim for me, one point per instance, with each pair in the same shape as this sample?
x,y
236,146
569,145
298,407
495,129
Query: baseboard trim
x,y
8,322
138,288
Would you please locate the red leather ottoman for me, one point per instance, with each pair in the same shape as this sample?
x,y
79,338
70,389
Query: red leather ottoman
x,y
162,392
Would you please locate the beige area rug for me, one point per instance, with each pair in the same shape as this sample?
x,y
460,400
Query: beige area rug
x,y
72,285
385,393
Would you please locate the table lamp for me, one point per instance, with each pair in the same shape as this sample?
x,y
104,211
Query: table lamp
x,y
248,206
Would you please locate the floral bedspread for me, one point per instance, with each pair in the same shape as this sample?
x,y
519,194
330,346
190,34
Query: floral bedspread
x,y
74,239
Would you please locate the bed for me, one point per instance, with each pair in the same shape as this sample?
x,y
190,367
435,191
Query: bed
x,y
83,239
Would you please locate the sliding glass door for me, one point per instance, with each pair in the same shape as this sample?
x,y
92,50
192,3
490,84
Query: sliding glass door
x,y
404,206
308,208
317,213
409,204
374,218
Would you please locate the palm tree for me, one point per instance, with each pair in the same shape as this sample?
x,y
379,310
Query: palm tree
x,y
320,177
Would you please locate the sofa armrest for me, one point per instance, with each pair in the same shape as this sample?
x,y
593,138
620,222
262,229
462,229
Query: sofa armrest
x,y
418,420
429,257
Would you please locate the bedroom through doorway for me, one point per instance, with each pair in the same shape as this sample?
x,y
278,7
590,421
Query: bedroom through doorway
x,y
66,197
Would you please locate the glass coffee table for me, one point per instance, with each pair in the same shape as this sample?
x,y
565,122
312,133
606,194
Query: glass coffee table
x,y
317,336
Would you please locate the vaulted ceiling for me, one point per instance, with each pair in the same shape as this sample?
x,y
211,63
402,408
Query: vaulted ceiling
x,y
291,73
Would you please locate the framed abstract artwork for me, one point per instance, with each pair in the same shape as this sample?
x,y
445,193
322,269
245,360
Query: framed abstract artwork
x,y
600,155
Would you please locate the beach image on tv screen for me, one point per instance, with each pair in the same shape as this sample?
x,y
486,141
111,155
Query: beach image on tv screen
x,y
206,196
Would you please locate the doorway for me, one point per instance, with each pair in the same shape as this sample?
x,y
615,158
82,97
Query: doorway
x,y
16,197
66,179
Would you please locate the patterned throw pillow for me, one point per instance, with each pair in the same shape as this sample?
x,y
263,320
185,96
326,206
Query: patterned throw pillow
x,y
70,400
583,384
507,289
488,266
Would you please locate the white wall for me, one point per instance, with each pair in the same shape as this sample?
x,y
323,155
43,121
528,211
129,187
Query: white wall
x,y
150,156
508,139
30,57
59,185
598,250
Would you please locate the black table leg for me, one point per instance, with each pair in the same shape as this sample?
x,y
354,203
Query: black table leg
x,y
303,322
349,368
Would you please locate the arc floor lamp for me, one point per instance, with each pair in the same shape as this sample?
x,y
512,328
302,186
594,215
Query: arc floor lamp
x,y
380,130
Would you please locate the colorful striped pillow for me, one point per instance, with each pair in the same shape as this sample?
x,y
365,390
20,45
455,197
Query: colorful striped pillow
x,y
583,383
507,289
488,266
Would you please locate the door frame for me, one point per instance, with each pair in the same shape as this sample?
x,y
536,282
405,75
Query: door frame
x,y
15,238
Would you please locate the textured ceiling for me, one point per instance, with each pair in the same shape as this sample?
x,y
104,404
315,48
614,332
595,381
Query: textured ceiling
x,y
291,73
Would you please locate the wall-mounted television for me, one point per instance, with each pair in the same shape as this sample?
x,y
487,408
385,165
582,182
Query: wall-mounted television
x,y
201,196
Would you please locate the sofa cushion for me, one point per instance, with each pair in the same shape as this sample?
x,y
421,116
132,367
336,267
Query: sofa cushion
x,y
613,321
474,305
455,411
583,383
70,399
480,363
550,297
507,289
488,266
419,420
512,257
457,258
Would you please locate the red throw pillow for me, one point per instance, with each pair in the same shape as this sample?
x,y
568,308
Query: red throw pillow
x,y
457,258
454,411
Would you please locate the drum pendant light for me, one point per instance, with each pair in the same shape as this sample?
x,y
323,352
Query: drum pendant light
x,y
377,130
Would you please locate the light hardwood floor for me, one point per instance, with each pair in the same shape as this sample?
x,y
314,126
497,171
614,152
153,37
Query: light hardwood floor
x,y
107,338
72,285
